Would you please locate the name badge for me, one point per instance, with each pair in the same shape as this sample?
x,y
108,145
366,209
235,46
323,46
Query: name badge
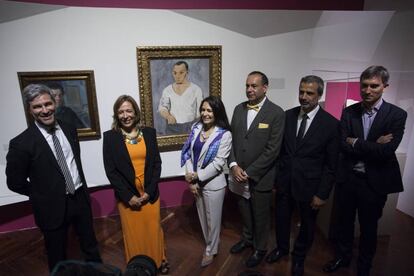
x,y
262,125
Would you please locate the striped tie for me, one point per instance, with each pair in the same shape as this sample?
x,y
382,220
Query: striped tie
x,y
70,186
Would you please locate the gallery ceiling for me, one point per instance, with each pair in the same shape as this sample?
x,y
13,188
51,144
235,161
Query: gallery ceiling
x,y
250,18
212,4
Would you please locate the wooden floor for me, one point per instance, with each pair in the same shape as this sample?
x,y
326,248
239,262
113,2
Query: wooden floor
x,y
22,252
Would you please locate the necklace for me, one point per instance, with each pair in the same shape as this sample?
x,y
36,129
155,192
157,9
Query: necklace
x,y
132,138
206,134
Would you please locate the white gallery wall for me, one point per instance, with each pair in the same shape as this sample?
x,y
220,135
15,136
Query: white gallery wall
x,y
104,40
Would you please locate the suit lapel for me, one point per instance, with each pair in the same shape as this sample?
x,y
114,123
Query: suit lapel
x,y
44,146
357,122
314,127
120,144
74,145
69,138
290,128
243,118
379,119
259,117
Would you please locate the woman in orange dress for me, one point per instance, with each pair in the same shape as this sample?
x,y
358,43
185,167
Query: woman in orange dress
x,y
133,166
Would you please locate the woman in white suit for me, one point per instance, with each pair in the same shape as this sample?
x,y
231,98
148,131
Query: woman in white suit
x,y
204,156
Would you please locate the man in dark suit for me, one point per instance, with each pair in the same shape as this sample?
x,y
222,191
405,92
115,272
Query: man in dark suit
x,y
306,170
257,128
370,134
44,164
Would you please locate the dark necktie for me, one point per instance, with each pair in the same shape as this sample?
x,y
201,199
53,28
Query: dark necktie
x,y
302,128
60,157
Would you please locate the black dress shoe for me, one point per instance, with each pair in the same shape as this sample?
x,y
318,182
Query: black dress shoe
x,y
335,264
275,256
239,247
255,258
298,269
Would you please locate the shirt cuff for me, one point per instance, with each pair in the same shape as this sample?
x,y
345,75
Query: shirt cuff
x,y
232,164
353,143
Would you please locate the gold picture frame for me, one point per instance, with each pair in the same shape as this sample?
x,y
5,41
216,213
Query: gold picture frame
x,y
155,66
79,98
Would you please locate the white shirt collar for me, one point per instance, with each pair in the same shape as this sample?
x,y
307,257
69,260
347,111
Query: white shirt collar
x,y
262,102
310,114
44,129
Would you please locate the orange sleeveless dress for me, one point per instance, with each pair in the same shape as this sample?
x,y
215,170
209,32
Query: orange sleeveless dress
x,y
141,228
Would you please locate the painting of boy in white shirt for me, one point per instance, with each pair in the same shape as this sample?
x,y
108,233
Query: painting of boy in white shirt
x,y
180,101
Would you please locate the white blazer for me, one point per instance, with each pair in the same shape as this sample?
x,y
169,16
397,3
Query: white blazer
x,y
212,174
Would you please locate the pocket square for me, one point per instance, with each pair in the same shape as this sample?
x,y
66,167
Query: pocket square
x,y
262,125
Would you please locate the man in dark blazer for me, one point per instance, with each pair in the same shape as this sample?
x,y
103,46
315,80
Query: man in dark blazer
x,y
58,195
370,134
306,170
257,128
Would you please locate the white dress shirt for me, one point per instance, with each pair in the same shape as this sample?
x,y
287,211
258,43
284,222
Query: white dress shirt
x,y
184,107
67,151
311,116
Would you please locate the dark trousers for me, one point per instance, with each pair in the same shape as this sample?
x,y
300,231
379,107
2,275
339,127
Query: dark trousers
x,y
285,204
356,196
78,214
255,213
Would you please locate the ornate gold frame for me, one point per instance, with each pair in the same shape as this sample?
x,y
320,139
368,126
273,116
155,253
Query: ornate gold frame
x,y
144,57
92,132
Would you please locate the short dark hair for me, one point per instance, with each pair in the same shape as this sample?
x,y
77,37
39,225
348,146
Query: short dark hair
x,y
315,79
33,90
375,71
56,86
181,62
116,124
265,80
219,111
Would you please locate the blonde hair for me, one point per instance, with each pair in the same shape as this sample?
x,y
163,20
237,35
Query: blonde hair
x,y
116,124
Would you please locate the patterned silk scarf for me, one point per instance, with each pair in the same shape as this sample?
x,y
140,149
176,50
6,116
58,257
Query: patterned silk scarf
x,y
211,151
